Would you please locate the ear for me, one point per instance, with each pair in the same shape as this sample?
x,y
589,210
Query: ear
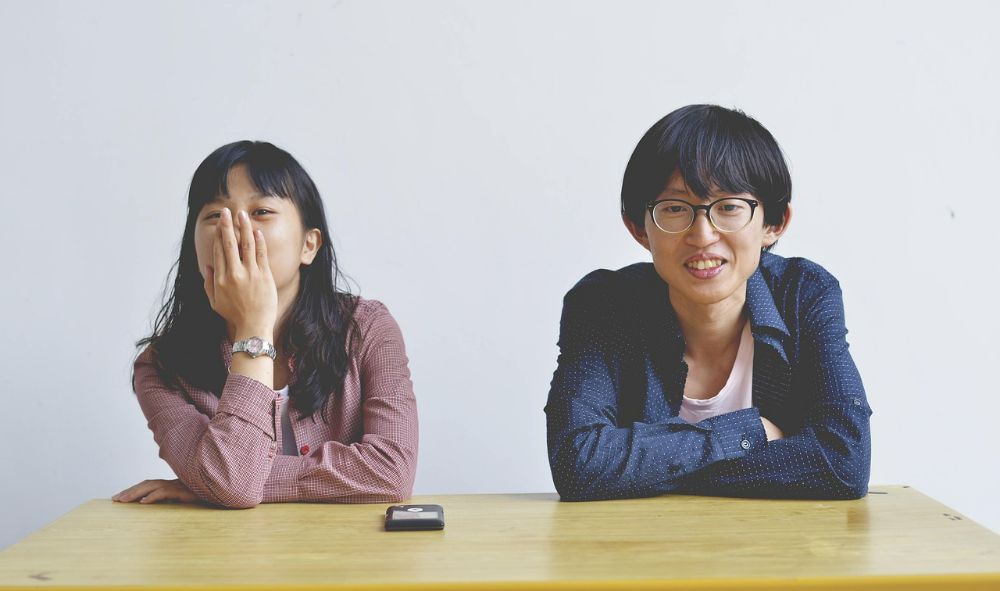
x,y
772,233
637,232
310,246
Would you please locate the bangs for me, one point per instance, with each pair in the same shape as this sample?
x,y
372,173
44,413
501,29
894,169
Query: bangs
x,y
715,160
715,150
269,171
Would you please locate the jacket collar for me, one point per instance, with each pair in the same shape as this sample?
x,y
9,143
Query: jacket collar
x,y
766,322
662,319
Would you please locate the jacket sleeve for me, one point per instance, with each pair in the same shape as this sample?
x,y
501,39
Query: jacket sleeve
x,y
380,468
225,459
830,456
593,452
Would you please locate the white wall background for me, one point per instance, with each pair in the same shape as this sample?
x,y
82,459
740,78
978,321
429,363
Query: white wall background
x,y
470,154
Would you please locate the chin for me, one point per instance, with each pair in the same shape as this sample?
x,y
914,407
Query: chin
x,y
708,295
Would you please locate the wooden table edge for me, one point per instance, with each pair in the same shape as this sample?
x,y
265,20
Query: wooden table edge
x,y
963,582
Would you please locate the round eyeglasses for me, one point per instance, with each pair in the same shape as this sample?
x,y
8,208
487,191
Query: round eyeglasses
x,y
674,216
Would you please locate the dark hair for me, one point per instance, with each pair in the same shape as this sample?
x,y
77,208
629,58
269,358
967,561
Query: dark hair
x,y
712,147
187,333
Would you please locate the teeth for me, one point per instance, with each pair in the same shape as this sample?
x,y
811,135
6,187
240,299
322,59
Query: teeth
x,y
701,265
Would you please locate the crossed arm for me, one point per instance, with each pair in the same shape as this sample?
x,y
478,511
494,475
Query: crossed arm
x,y
595,455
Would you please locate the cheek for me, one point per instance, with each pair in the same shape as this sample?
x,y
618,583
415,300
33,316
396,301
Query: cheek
x,y
747,251
276,240
663,248
663,245
283,245
204,240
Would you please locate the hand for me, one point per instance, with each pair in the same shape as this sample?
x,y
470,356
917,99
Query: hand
x,y
240,286
773,431
156,491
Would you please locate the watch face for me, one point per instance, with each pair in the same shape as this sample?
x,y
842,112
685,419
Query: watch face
x,y
255,346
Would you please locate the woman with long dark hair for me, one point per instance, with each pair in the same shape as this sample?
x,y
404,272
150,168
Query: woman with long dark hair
x,y
263,381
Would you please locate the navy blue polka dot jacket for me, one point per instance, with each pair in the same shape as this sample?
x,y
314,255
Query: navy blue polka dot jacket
x,y
613,429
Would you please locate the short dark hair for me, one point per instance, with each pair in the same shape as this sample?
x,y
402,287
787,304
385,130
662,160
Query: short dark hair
x,y
712,147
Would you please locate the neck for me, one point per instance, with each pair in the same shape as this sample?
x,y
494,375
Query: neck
x,y
710,331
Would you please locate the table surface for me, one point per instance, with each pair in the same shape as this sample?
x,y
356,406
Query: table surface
x,y
895,538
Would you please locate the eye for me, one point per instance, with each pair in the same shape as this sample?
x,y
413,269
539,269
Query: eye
x,y
673,209
261,211
731,208
212,216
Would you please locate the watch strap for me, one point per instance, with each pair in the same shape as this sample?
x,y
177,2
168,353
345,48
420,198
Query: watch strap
x,y
255,347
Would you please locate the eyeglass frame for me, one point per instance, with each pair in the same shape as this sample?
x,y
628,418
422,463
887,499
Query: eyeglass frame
x,y
753,203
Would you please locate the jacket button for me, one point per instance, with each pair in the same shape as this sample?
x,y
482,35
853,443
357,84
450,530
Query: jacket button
x,y
304,449
745,444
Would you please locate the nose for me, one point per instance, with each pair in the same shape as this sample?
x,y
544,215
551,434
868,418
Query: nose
x,y
245,224
702,232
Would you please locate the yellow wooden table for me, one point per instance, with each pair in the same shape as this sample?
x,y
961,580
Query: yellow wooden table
x,y
896,538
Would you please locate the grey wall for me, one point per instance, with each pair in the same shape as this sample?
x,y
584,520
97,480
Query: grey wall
x,y
470,154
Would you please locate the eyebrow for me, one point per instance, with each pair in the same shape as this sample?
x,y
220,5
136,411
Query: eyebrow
x,y
223,198
712,195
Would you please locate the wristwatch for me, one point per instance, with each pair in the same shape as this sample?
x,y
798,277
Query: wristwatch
x,y
255,347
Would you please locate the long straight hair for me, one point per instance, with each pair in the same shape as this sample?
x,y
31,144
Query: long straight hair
x,y
320,331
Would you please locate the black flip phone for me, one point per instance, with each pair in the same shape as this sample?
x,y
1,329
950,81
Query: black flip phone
x,y
414,517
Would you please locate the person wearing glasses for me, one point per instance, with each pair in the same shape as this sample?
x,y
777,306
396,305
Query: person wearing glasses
x,y
720,368
263,381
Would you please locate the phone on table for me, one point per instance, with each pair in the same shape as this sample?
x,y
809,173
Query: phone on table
x,y
414,517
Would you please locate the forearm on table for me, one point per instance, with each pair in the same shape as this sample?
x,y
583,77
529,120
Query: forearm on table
x,y
224,460
604,461
376,470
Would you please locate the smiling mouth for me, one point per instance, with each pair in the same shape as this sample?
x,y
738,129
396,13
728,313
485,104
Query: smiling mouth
x,y
703,264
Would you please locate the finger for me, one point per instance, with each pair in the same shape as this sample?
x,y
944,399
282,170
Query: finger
x,y
136,491
154,496
262,262
230,246
238,233
127,495
248,245
217,256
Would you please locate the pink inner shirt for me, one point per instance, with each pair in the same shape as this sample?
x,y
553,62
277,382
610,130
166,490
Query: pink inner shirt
x,y
737,394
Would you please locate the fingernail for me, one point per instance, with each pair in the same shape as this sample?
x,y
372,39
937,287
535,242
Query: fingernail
x,y
226,212
244,216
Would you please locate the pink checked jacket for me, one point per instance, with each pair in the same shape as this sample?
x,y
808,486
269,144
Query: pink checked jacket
x,y
360,447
